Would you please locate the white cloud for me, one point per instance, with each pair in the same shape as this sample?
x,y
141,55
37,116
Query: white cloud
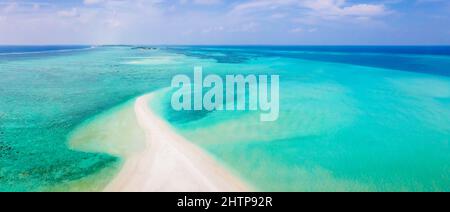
x,y
258,5
152,21
36,6
92,2
214,29
297,30
363,10
342,8
301,30
68,13
10,7
314,7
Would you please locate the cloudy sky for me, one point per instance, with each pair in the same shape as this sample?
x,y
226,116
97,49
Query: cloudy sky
x,y
372,22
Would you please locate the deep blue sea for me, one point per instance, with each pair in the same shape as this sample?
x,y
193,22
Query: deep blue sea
x,y
406,58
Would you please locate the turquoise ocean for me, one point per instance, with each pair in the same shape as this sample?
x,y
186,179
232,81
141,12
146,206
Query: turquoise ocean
x,y
352,118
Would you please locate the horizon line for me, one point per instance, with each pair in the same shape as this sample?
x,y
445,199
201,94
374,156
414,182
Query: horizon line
x,y
287,45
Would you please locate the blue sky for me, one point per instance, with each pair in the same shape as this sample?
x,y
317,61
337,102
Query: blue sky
x,y
302,22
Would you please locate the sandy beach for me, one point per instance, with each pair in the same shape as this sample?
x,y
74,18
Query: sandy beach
x,y
170,163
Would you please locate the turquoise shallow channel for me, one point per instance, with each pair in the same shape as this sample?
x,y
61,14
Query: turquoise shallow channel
x,y
351,118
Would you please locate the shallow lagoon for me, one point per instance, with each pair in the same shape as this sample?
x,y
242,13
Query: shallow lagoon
x,y
343,125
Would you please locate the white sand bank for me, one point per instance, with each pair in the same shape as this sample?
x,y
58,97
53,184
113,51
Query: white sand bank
x,y
169,163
